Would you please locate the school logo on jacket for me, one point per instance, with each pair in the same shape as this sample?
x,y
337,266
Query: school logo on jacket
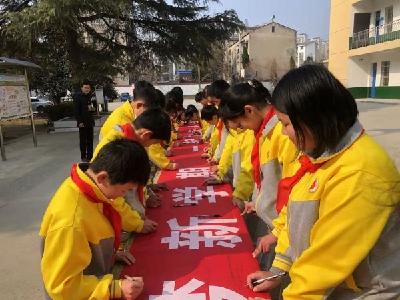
x,y
314,186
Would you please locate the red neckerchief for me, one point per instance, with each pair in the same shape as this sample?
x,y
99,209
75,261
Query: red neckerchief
x,y
255,153
130,134
108,211
128,131
220,126
286,185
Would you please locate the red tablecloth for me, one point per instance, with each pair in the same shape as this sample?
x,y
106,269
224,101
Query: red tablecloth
x,y
198,252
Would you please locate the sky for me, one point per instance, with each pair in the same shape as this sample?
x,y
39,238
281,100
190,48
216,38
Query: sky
x,y
305,16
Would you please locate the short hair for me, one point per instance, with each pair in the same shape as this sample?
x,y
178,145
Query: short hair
x,y
160,98
179,94
190,111
125,161
148,95
157,121
171,106
208,112
218,88
206,89
238,96
199,96
140,84
313,98
86,82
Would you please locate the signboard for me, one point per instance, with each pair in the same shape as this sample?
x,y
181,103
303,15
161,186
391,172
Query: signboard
x,y
99,96
14,102
184,72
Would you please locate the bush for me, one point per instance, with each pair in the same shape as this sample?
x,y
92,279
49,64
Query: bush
x,y
59,111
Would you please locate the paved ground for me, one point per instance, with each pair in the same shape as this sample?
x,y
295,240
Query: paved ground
x,y
30,176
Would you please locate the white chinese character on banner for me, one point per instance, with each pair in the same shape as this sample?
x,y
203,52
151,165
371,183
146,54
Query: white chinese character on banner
x,y
193,173
209,232
187,292
190,141
192,195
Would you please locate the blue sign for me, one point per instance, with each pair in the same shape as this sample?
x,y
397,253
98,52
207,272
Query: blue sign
x,y
184,72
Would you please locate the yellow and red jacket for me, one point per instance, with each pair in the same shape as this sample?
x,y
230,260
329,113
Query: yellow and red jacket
x,y
341,237
157,155
277,153
78,244
122,115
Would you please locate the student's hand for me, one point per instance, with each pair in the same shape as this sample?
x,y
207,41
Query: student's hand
x,y
205,155
81,125
153,200
169,153
213,180
266,285
264,244
249,208
214,169
132,287
125,257
149,226
172,166
239,203
205,150
212,161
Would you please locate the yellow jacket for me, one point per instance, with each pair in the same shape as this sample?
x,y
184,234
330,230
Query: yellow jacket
x,y
122,115
213,141
341,239
204,127
158,156
225,163
242,168
120,203
277,152
77,245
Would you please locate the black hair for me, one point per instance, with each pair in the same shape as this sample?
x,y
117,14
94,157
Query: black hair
x,y
206,89
208,112
86,82
313,98
190,111
179,94
171,106
157,121
199,96
148,95
140,84
238,96
160,98
125,161
217,88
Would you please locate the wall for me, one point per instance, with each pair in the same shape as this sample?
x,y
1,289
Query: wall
x,y
339,33
265,46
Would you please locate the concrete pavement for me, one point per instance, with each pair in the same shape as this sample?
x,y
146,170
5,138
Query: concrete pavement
x,y
31,175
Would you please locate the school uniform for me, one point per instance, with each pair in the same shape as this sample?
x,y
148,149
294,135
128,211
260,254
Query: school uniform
x,y
80,233
341,238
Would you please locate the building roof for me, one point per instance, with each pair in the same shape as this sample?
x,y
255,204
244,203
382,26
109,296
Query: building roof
x,y
12,62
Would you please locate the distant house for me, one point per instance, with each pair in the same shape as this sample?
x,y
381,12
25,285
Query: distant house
x,y
263,52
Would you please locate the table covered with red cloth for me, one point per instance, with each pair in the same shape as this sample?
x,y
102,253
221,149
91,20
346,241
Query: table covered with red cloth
x,y
201,249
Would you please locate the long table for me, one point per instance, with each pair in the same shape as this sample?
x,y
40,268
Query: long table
x,y
201,249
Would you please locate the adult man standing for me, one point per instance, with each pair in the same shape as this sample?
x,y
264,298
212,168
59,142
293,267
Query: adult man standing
x,y
84,117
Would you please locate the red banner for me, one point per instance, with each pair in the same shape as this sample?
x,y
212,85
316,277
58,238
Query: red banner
x,y
201,249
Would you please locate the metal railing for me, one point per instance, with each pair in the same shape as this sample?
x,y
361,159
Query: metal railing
x,y
376,35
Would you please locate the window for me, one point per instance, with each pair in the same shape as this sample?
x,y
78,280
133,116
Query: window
x,y
385,71
273,29
389,19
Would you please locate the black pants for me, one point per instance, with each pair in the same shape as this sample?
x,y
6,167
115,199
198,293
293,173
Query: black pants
x,y
86,142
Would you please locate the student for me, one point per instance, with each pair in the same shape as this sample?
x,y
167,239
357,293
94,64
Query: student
x,y
81,230
215,93
161,100
144,97
192,114
83,110
201,98
209,113
248,107
342,238
151,127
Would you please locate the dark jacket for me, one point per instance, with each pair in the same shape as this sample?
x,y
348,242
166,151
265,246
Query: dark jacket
x,y
82,113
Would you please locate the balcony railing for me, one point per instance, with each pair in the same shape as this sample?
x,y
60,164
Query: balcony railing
x,y
377,35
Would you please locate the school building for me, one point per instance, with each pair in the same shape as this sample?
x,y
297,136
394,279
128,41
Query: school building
x,y
364,46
